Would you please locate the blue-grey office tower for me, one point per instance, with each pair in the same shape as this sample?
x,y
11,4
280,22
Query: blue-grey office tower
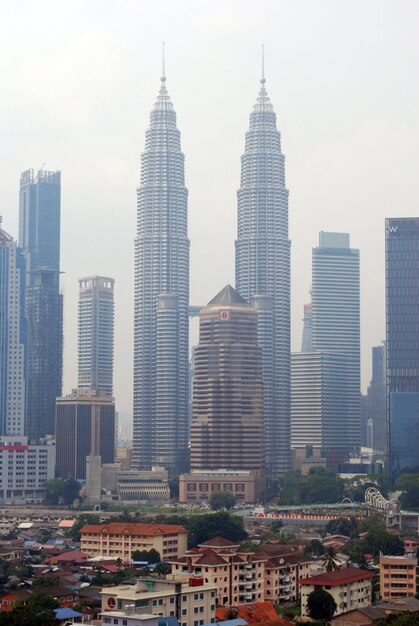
x,y
12,337
336,329
161,323
402,342
263,270
39,237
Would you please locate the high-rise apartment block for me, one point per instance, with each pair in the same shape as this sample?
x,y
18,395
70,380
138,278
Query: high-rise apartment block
x,y
402,342
39,237
161,323
96,333
12,337
326,378
263,270
85,426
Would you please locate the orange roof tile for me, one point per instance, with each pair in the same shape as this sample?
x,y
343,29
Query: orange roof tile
x,y
131,528
253,613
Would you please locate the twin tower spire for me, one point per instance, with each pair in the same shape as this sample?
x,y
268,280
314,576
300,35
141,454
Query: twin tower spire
x,y
161,317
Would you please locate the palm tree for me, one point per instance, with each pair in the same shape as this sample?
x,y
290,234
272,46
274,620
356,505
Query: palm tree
x,y
330,561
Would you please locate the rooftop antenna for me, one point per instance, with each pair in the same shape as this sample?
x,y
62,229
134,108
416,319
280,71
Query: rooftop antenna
x,y
43,165
163,77
263,80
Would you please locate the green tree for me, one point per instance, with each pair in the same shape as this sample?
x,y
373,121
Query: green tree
x,y
61,491
314,548
330,561
321,605
151,556
38,610
162,569
342,526
318,487
205,527
222,500
276,525
82,520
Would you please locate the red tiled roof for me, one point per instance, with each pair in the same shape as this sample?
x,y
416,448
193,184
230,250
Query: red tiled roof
x,y
219,542
118,528
71,556
210,557
253,613
338,577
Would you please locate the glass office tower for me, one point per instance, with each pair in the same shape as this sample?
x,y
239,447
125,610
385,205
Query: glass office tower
x,y
402,342
39,237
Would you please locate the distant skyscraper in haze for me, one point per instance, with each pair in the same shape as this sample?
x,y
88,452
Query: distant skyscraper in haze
x,y
307,342
336,318
376,400
39,237
39,221
12,337
402,342
263,270
227,421
161,323
96,333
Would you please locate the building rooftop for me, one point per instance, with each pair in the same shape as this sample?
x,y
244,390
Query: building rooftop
x,y
228,297
132,528
338,577
219,542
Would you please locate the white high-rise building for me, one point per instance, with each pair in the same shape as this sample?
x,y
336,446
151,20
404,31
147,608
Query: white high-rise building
x,y
161,322
12,337
96,333
263,270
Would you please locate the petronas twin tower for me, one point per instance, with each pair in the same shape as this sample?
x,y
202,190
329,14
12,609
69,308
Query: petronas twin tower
x,y
161,335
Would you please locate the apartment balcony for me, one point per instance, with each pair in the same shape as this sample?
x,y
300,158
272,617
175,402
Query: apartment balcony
x,y
249,576
248,596
248,586
248,566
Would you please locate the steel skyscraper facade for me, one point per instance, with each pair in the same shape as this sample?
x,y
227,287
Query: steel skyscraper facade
x,y
263,270
39,237
96,333
161,323
402,342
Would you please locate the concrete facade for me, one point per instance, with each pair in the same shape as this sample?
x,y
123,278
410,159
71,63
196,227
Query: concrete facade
x,y
120,540
397,577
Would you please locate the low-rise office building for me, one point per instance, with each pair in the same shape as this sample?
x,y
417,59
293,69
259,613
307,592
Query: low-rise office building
x,y
350,588
24,469
192,602
397,576
197,486
120,540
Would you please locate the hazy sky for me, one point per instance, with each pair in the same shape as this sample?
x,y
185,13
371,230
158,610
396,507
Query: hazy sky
x,y
78,80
